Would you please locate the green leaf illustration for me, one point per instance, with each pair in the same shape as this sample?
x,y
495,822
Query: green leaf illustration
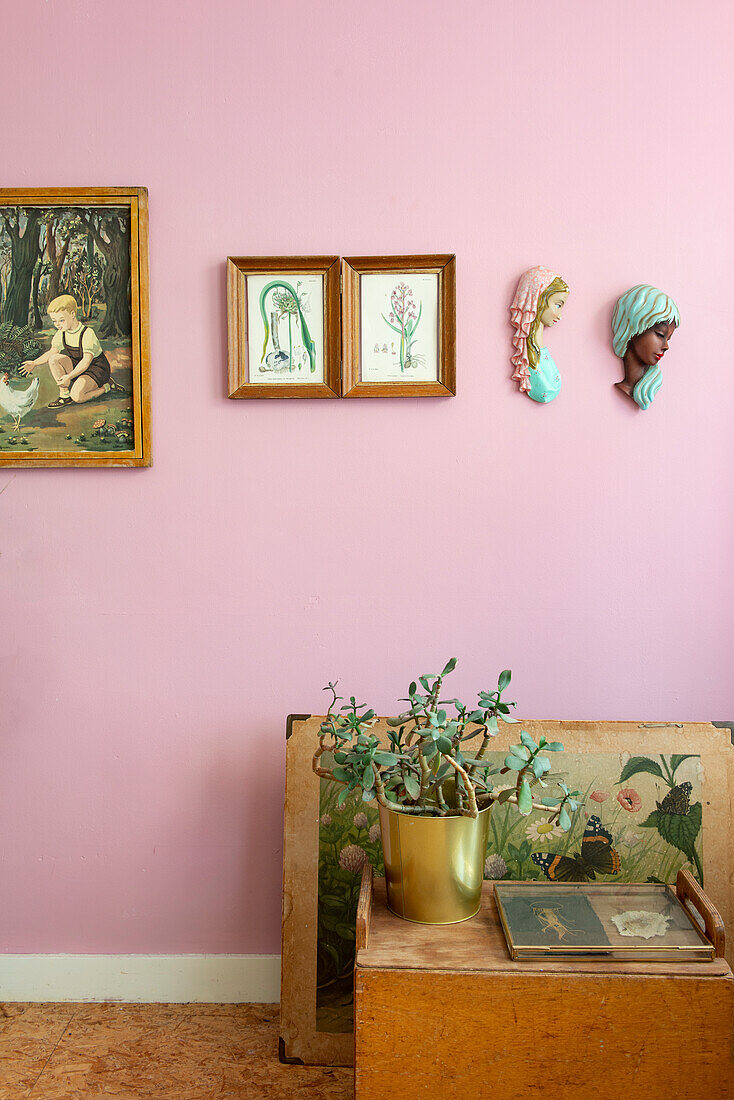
x,y
681,830
640,764
676,761
652,821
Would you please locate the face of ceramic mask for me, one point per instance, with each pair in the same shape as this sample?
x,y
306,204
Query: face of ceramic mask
x,y
552,313
651,346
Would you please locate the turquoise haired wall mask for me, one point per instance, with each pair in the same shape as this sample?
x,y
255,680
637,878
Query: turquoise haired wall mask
x,y
643,322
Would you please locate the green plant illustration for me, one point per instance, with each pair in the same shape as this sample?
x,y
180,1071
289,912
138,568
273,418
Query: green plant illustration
x,y
287,303
404,320
677,820
349,836
17,343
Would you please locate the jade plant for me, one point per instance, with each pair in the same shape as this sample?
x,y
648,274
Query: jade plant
x,y
429,767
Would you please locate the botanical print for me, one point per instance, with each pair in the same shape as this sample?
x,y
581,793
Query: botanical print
x,y
399,327
404,319
285,328
65,330
640,821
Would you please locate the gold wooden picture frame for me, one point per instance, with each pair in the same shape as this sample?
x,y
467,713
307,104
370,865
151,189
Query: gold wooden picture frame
x,y
284,326
74,385
399,326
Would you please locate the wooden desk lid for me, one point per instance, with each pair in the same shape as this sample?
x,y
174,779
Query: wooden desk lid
x,y
479,946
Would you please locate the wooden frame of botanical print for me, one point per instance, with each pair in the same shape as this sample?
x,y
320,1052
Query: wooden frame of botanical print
x,y
399,326
87,250
267,295
325,845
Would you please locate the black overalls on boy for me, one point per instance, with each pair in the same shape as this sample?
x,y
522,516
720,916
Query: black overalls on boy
x,y
98,369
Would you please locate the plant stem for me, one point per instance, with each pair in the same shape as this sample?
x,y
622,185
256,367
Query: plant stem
x,y
473,810
383,799
670,780
325,772
425,775
699,868
550,810
440,799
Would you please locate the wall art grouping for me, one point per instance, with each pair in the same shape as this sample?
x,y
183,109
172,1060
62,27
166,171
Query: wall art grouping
x,y
318,326
74,348
643,323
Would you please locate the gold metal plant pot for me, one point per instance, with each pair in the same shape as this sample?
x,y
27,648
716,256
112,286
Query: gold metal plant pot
x,y
434,866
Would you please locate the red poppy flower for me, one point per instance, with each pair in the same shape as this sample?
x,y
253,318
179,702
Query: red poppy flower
x,y
629,799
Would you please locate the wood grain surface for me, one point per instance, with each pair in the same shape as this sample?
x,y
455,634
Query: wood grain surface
x,y
140,1052
444,1012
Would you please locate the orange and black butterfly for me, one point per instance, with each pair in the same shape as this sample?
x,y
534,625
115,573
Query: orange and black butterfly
x,y
597,857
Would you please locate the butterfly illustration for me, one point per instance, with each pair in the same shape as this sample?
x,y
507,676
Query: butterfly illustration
x,y
597,857
677,800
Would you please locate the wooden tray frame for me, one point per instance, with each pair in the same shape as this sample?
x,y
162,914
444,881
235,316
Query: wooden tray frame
x,y
300,1042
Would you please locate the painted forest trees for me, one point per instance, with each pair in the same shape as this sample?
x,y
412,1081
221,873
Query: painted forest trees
x,y
82,251
24,231
111,234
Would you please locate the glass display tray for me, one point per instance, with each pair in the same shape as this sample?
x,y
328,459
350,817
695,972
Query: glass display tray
x,y
606,920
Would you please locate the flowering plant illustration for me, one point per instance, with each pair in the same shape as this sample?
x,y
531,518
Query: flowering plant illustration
x,y
285,302
404,320
676,818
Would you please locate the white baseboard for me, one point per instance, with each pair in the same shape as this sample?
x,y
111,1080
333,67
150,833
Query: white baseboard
x,y
168,979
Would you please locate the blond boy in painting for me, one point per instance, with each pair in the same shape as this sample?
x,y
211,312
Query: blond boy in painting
x,y
76,360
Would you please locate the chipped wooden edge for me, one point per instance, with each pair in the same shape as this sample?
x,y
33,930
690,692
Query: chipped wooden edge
x,y
364,907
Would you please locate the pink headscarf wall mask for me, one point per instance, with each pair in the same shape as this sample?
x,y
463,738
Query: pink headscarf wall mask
x,y
522,314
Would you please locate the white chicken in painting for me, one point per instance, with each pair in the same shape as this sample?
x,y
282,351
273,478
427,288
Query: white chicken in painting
x,y
17,403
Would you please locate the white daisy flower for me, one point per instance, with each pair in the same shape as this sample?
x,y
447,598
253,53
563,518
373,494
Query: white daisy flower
x,y
543,830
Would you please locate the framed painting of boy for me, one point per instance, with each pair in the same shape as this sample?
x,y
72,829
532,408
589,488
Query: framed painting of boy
x,y
74,327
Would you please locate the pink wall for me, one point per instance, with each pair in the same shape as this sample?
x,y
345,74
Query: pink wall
x,y
158,625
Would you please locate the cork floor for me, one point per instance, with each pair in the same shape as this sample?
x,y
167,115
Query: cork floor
x,y
169,1052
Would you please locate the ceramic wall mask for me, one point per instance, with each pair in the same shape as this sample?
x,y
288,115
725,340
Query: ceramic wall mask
x,y
538,305
643,322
